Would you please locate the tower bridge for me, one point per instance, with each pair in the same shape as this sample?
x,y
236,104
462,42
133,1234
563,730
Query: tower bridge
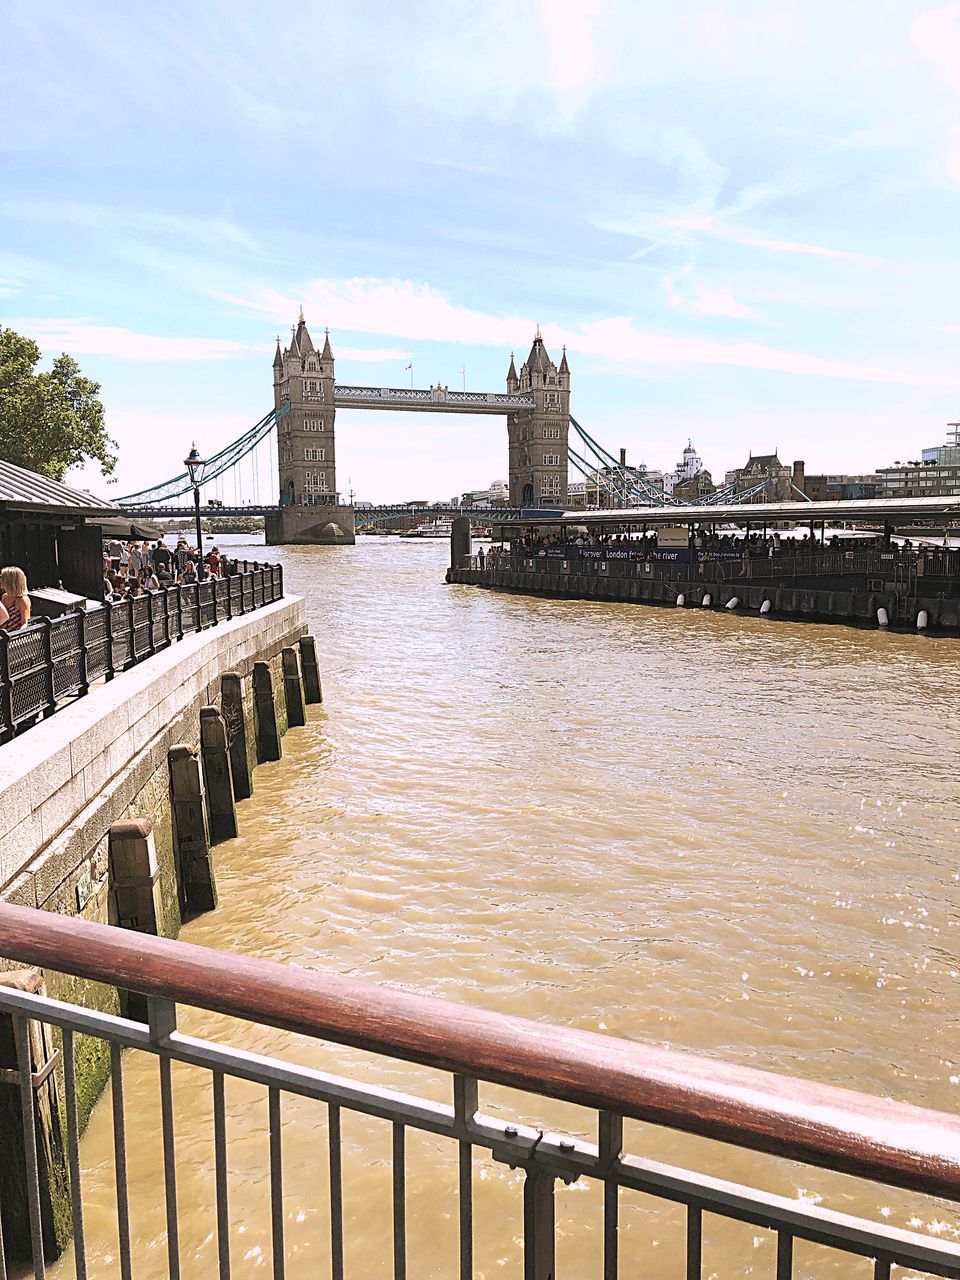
x,y
299,434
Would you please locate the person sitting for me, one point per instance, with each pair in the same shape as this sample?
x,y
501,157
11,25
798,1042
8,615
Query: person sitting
x,y
16,601
162,574
149,579
133,588
189,572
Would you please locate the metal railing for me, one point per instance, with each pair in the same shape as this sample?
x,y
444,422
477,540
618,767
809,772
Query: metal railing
x,y
759,565
836,1129
55,658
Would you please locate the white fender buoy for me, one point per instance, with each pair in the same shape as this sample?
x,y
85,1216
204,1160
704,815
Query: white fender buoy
x,y
883,618
707,601
733,602
765,607
681,600
922,620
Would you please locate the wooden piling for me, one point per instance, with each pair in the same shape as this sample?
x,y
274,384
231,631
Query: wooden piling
x,y
50,1139
195,878
265,714
240,742
293,688
313,690
217,781
134,875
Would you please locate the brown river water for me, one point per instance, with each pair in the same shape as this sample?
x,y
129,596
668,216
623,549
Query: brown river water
x,y
725,834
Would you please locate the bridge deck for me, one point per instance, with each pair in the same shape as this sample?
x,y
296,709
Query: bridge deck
x,y
429,400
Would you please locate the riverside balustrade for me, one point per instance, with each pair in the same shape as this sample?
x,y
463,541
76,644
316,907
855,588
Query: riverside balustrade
x,y
57,658
878,1139
726,565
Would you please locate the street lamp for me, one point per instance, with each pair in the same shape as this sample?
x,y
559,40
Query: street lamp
x,y
195,465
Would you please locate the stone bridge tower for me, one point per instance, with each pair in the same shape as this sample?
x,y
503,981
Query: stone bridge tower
x,y
306,449
310,509
538,436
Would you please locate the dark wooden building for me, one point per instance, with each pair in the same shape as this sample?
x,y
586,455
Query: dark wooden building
x,y
52,532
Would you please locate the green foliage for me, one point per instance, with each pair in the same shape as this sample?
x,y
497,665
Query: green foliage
x,y
52,421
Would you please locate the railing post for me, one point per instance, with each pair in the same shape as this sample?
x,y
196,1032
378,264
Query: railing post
x,y
539,1224
179,590
7,695
83,682
132,637
108,640
47,640
153,648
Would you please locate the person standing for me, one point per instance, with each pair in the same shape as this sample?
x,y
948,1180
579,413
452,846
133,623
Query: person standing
x,y
16,601
135,560
161,556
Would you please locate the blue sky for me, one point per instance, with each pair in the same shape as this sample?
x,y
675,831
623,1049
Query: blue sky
x,y
741,218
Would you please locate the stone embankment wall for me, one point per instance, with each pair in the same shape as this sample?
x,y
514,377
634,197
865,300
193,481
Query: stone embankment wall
x,y
854,607
109,808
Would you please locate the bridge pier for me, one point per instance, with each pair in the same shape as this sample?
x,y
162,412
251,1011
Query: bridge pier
x,y
326,526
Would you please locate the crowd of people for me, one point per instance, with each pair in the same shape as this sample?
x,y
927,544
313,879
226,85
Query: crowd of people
x,y
133,567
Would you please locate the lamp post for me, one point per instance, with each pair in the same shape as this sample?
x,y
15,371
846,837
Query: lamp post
x,y
195,465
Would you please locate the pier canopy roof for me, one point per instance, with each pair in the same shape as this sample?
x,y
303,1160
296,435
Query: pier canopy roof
x,y
895,511
22,490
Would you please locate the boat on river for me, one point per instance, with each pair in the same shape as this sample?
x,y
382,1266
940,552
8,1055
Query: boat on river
x,y
430,529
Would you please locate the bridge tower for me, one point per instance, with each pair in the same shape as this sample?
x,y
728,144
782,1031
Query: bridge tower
x,y
310,509
538,436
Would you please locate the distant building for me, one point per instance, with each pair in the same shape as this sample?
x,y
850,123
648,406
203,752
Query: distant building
x,y
497,495
783,483
687,469
695,487
577,495
935,474
620,485
842,488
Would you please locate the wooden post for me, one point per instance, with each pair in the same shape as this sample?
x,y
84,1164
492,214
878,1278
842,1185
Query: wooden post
x,y
293,688
240,742
312,688
195,879
134,872
134,892
51,1145
265,714
216,775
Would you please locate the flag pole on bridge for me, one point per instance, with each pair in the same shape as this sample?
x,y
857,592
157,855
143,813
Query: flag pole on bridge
x,y
410,367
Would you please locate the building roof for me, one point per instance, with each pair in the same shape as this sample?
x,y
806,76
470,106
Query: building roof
x,y
538,358
765,460
26,490
896,510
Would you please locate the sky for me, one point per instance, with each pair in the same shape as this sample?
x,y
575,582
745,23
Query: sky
x,y
741,219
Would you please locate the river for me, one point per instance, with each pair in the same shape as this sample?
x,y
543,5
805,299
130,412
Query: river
x,y
722,833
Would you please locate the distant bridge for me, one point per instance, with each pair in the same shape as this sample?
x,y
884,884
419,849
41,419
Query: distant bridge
x,y
481,515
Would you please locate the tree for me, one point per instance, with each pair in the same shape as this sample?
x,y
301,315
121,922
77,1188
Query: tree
x,y
52,421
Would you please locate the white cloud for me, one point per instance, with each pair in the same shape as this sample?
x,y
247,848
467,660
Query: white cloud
x,y
417,312
84,336
936,35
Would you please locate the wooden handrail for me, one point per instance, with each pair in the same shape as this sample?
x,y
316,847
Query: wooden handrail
x,y
877,1138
